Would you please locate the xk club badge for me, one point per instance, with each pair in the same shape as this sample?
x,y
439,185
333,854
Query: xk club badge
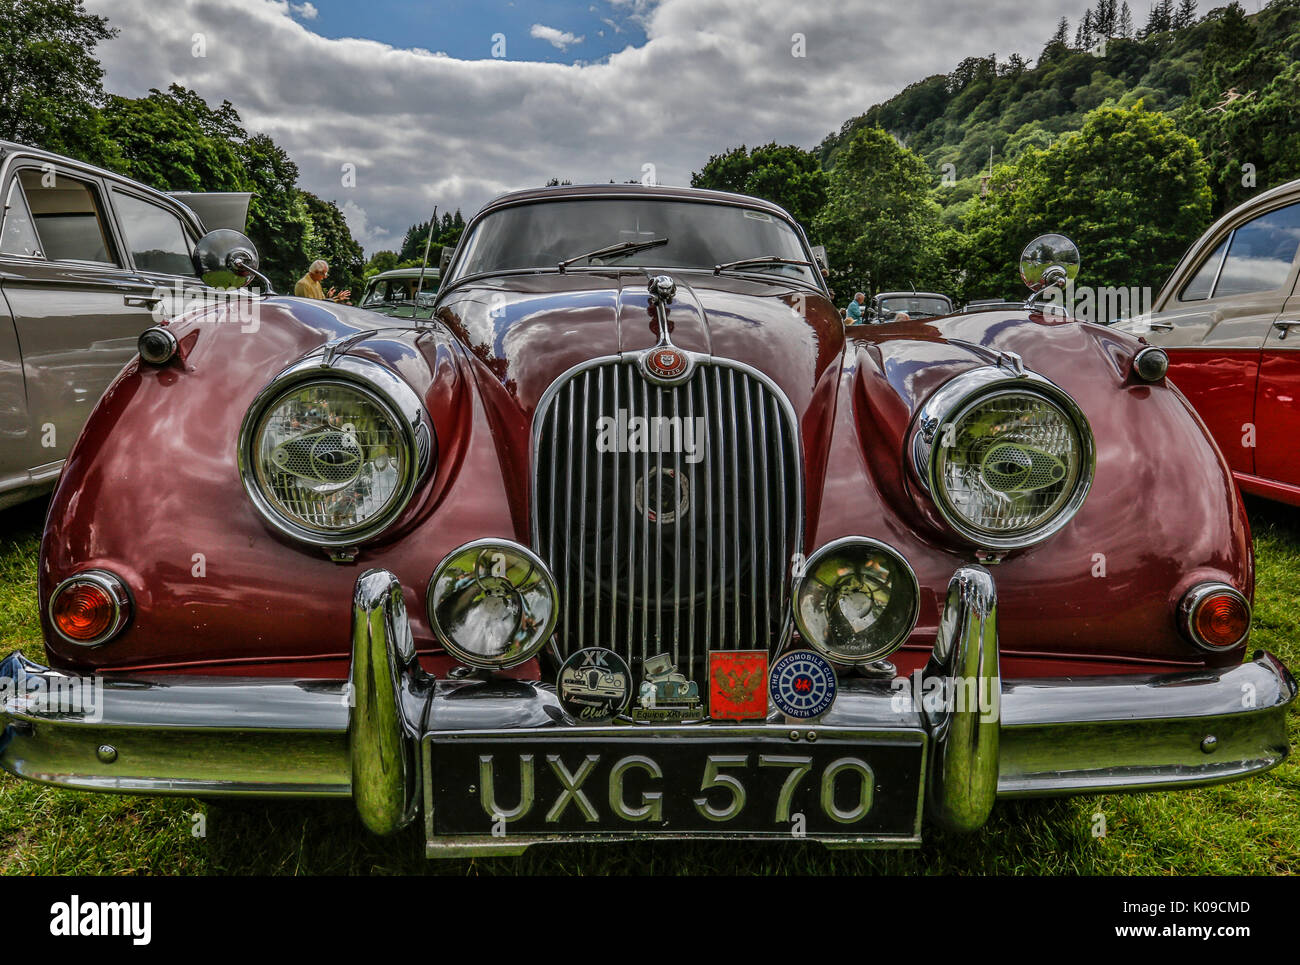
x,y
595,685
803,684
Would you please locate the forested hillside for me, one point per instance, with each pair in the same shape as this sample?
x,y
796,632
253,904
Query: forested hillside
x,y
1206,109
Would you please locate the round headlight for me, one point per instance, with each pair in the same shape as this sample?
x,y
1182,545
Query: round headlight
x,y
1007,463
492,603
856,601
330,458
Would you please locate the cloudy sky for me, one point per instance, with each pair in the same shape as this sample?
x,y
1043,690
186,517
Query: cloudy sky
x,y
451,103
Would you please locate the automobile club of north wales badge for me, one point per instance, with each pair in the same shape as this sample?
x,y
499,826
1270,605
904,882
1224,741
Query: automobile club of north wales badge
x,y
738,684
595,685
666,696
803,684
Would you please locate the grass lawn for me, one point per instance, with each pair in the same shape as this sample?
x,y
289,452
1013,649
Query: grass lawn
x,y
1251,827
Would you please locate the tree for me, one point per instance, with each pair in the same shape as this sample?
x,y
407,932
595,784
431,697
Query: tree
x,y
880,228
1129,188
783,174
331,241
1125,25
1185,16
380,261
50,81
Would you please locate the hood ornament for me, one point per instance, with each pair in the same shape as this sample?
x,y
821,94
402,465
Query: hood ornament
x,y
664,364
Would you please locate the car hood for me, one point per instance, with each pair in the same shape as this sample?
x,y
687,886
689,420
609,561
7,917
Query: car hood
x,y
527,330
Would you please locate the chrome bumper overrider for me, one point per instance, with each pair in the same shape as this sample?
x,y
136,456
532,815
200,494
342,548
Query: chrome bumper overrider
x,y
369,737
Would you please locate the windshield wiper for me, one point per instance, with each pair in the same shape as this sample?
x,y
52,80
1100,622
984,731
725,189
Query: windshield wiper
x,y
761,260
622,248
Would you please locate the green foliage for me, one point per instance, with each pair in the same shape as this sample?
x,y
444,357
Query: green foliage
x,y
50,81
331,241
1242,108
879,225
450,227
380,261
783,174
1129,188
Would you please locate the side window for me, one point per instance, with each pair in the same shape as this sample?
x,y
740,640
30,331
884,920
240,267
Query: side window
x,y
68,216
1260,254
156,238
18,235
1198,289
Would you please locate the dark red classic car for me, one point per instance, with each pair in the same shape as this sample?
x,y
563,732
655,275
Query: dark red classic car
x,y
633,539
1223,318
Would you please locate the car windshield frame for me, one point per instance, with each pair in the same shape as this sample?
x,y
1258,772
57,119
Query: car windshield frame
x,y
884,304
665,257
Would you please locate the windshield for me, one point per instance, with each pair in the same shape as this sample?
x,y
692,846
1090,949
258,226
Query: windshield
x,y
389,291
699,235
915,305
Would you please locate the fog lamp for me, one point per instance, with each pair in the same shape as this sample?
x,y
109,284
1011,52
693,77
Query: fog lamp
x,y
857,600
492,603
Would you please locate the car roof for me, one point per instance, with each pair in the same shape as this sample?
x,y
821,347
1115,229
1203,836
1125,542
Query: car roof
x,y
912,295
404,273
13,147
631,191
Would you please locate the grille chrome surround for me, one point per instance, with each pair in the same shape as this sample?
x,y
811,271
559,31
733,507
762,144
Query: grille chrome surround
x,y
647,547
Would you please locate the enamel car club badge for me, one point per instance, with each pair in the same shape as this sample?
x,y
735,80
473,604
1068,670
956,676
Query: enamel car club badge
x,y
666,696
803,684
738,684
665,362
595,685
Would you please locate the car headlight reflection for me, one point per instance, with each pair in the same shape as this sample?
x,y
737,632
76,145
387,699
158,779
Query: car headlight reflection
x,y
856,601
492,603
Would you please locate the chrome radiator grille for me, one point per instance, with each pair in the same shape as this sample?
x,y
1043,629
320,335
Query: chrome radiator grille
x,y
657,546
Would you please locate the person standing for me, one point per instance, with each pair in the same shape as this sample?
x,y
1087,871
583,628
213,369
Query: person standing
x,y
309,286
855,309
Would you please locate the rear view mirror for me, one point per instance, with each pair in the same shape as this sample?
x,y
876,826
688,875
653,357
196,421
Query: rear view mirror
x,y
225,258
444,259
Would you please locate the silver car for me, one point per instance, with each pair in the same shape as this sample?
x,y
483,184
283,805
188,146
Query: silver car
x,y
87,259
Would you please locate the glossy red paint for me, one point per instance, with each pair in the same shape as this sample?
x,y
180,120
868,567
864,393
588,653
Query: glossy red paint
x,y
1220,385
1277,416
152,488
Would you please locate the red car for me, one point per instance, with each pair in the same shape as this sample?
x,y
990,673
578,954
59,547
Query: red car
x,y
634,539
1223,318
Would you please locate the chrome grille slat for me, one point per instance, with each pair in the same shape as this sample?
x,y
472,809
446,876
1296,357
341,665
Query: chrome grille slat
x,y
726,521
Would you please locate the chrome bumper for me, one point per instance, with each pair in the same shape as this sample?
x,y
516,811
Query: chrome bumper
x,y
195,736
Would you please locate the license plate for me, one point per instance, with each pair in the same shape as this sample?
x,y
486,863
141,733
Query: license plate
x,y
860,787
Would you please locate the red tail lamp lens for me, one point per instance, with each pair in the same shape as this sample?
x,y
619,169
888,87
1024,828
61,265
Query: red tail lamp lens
x,y
1222,620
89,609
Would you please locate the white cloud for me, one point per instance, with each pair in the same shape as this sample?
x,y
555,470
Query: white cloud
x,y
305,10
560,39
424,129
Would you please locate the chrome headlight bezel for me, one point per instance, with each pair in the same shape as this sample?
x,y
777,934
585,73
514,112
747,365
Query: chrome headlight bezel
x,y
472,658
846,544
385,389
958,395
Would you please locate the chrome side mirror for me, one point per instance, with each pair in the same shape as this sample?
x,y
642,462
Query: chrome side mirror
x,y
225,258
1048,262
